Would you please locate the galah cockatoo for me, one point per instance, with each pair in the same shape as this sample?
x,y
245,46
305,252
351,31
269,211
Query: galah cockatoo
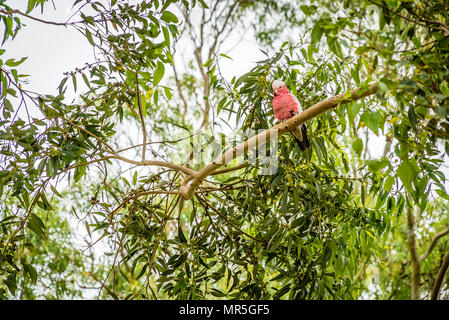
x,y
285,106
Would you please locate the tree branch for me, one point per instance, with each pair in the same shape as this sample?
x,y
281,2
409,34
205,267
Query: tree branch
x,y
188,171
225,170
189,189
65,24
440,278
416,266
142,119
181,95
433,243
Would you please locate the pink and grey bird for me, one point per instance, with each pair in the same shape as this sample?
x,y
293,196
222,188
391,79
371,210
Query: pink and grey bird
x,y
285,106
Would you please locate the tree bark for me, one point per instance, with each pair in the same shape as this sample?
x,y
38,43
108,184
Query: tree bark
x,y
416,265
440,277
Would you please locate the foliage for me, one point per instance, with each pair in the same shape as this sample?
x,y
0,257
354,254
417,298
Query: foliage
x,y
327,224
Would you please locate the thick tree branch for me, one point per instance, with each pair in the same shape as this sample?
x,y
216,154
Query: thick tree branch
x,y
416,266
440,278
189,189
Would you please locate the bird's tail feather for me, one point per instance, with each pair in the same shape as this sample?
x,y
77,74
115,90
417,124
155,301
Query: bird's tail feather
x,y
305,137
301,138
301,144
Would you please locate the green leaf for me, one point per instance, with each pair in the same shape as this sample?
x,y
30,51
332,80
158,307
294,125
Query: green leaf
x,y
355,76
74,81
225,55
166,36
181,236
8,105
298,222
36,225
373,120
126,181
407,173
15,63
11,283
61,85
221,104
55,191
31,5
3,173
31,271
421,185
381,88
79,171
442,194
156,96
203,4
180,260
444,88
317,32
123,274
388,184
86,81
142,272
281,291
357,146
168,93
376,165
158,73
4,85
217,293
308,10
275,241
353,111
441,111
334,46
167,16
135,178
412,117
89,37
277,179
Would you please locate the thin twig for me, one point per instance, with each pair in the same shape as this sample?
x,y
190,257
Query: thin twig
x,y
142,120
433,243
64,24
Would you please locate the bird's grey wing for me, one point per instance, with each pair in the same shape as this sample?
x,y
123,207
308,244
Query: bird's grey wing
x,y
297,101
297,133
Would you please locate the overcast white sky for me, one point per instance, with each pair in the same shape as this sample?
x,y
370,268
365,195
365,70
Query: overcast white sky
x,y
53,50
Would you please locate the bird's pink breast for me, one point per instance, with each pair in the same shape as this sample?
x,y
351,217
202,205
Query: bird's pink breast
x,y
283,106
